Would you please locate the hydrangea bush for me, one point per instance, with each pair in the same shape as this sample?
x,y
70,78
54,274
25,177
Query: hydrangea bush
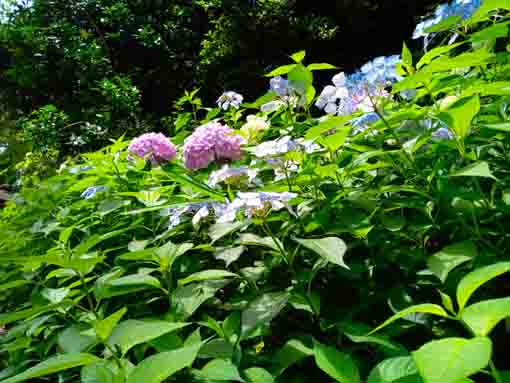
x,y
352,234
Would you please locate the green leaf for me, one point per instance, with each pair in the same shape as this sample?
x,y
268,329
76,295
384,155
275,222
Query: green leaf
x,y
335,141
14,284
444,25
179,175
394,370
436,52
127,285
325,126
452,359
52,365
482,317
262,311
464,60
407,56
491,33
258,375
129,333
298,56
168,254
217,348
94,240
502,127
220,370
471,282
229,254
105,326
393,349
447,302
477,169
220,230
292,352
426,308
281,70
254,240
159,367
320,66
487,6
187,299
336,364
103,371
23,314
450,257
207,275
331,249
73,341
459,115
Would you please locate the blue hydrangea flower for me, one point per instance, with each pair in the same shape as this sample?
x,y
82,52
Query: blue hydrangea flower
x,y
91,191
360,124
289,95
462,8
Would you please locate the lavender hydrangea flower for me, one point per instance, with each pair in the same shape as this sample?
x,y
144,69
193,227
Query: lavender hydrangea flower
x,y
199,210
211,142
230,99
360,124
276,147
253,203
234,175
443,134
91,191
153,146
289,95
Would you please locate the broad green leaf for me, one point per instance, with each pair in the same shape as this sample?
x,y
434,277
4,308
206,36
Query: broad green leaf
x,y
220,370
52,365
444,25
490,33
217,348
159,367
407,56
336,364
459,116
426,308
258,375
487,6
471,282
262,311
252,239
105,326
187,299
452,359
325,126
335,141
129,333
229,254
168,254
14,284
127,285
447,302
298,56
320,66
94,240
477,169
72,340
502,127
207,275
103,371
292,352
220,230
331,249
24,314
450,257
281,70
494,88
392,348
482,317
393,370
436,52
55,295
464,60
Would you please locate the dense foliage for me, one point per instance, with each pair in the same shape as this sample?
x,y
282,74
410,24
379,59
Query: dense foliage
x,y
260,244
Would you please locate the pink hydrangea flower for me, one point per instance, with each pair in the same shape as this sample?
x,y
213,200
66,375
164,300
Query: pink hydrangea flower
x,y
154,146
211,142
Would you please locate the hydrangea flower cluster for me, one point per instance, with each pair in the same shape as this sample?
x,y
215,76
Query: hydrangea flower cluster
x,y
353,93
229,99
200,211
211,142
153,146
284,145
91,191
228,175
253,127
461,8
289,95
255,203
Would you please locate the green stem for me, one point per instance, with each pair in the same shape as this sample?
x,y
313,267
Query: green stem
x,y
87,294
495,372
268,231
